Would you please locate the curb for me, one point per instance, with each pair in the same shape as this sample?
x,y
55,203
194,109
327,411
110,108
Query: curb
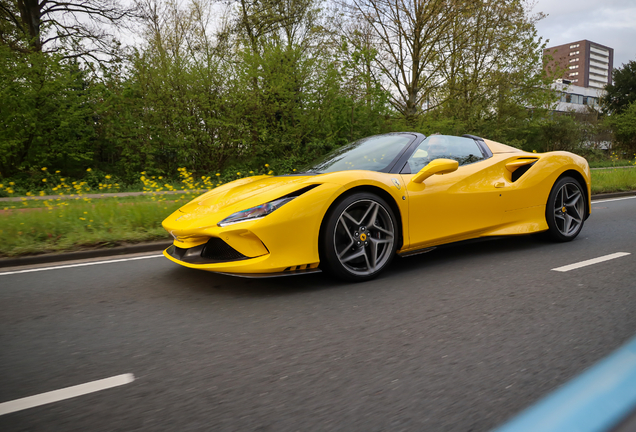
x,y
612,195
156,246
83,254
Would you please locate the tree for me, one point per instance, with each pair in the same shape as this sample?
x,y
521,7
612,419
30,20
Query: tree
x,y
78,28
622,92
408,36
493,64
623,125
46,114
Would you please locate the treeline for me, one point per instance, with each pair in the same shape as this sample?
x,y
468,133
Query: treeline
x,y
218,85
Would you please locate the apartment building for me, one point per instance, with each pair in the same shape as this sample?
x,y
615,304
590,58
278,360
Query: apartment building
x,y
583,63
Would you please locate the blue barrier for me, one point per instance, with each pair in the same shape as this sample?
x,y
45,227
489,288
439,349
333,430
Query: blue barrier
x,y
595,401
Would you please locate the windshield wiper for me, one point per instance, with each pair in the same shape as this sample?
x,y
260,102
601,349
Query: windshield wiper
x,y
308,172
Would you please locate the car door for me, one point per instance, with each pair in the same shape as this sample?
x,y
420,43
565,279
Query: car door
x,y
453,206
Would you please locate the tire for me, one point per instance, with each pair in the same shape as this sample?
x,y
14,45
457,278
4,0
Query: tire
x,y
359,237
566,210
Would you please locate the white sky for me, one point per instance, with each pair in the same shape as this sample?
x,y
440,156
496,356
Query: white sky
x,y
608,22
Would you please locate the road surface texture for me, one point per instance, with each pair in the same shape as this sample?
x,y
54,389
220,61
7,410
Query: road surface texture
x,y
459,339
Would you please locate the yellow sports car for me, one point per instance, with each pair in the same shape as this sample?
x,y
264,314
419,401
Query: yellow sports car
x,y
403,193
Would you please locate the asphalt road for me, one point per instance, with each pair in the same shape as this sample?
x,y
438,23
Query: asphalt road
x,y
459,339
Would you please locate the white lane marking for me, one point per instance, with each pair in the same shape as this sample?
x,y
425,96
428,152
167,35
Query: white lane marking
x,y
79,265
65,393
613,199
591,261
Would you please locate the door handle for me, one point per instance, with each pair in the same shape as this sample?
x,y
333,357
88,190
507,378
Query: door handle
x,y
500,184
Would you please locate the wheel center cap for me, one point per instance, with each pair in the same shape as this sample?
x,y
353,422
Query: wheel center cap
x,y
363,237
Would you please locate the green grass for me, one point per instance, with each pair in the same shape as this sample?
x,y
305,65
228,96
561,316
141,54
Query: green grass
x,y
617,180
76,225
612,163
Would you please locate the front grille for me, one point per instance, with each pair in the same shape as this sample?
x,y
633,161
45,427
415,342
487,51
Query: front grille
x,y
217,250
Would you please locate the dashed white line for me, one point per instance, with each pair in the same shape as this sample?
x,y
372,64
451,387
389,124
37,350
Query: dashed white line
x,y
591,261
79,265
65,393
613,199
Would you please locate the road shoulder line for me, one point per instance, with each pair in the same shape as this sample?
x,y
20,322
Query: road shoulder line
x,y
65,393
591,261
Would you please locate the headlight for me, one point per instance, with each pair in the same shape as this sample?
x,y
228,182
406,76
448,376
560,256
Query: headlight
x,y
255,213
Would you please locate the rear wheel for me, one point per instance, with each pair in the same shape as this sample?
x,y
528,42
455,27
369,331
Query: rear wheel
x,y
359,237
565,212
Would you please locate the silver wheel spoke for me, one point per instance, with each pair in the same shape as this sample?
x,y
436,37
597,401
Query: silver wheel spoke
x,y
360,252
344,251
370,266
383,231
373,249
372,206
374,215
381,241
348,216
573,199
567,224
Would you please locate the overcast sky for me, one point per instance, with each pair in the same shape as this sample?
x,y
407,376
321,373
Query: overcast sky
x,y
607,22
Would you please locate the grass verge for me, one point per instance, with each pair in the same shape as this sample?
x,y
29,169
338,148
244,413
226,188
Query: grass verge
x,y
612,163
616,180
76,225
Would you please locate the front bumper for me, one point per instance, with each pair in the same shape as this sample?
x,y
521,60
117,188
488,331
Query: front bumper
x,y
217,256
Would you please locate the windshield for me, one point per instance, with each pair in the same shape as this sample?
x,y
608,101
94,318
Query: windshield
x,y
376,153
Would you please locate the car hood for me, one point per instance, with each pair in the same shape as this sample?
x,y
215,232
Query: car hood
x,y
242,194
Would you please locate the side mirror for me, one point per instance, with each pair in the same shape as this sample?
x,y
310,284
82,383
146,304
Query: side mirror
x,y
437,166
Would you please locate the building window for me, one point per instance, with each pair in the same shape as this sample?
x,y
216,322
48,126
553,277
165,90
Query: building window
x,y
574,67
576,99
574,74
574,46
575,80
574,53
574,60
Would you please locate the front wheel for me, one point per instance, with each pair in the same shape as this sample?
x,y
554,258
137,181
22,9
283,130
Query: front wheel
x,y
359,238
565,212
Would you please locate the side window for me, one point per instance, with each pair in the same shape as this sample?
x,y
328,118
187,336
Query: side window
x,y
463,150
